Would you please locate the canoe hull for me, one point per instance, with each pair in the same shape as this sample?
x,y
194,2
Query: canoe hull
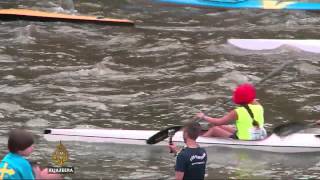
x,y
295,143
307,45
250,4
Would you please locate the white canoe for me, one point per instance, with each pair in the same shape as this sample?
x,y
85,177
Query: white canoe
x,y
294,143
268,44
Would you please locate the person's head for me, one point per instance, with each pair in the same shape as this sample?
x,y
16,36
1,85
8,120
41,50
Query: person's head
x,y
191,130
244,94
20,142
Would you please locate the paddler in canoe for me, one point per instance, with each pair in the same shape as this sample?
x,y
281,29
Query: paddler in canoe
x,y
248,117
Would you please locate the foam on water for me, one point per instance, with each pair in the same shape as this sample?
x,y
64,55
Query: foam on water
x,y
17,90
37,123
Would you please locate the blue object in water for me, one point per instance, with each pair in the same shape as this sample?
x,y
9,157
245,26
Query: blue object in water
x,y
255,4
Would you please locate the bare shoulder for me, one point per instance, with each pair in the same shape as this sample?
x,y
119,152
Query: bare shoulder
x,y
256,102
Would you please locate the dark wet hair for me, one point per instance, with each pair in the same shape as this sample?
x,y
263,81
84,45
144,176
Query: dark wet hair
x,y
192,129
19,140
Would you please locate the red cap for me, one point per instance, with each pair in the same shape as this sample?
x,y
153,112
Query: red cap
x,y
244,94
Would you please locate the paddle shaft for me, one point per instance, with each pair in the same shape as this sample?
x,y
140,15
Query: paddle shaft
x,y
171,134
163,134
272,74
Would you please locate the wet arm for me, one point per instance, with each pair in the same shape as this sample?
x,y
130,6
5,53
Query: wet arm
x,y
179,175
231,116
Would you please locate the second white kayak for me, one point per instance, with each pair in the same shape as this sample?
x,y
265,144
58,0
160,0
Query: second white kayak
x,y
308,45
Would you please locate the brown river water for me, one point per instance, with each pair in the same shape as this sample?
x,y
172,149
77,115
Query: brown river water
x,y
175,61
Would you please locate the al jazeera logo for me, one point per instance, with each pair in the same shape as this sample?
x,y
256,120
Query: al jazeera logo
x,y
59,158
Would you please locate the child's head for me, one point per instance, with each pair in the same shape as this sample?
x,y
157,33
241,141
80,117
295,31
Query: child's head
x,y
20,142
244,94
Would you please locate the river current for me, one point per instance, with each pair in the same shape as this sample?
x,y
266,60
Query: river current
x,y
175,62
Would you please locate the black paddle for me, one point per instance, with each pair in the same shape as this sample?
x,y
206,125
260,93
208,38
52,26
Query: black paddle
x,y
170,131
291,128
163,134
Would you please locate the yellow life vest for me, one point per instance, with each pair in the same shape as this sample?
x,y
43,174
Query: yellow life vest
x,y
244,121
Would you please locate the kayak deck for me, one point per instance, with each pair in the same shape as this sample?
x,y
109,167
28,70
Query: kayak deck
x,y
308,45
34,15
294,143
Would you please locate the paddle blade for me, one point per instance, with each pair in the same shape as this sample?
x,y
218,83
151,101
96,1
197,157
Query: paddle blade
x,y
162,135
289,128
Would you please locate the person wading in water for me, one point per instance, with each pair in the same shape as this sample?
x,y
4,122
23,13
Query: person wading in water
x,y
191,160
